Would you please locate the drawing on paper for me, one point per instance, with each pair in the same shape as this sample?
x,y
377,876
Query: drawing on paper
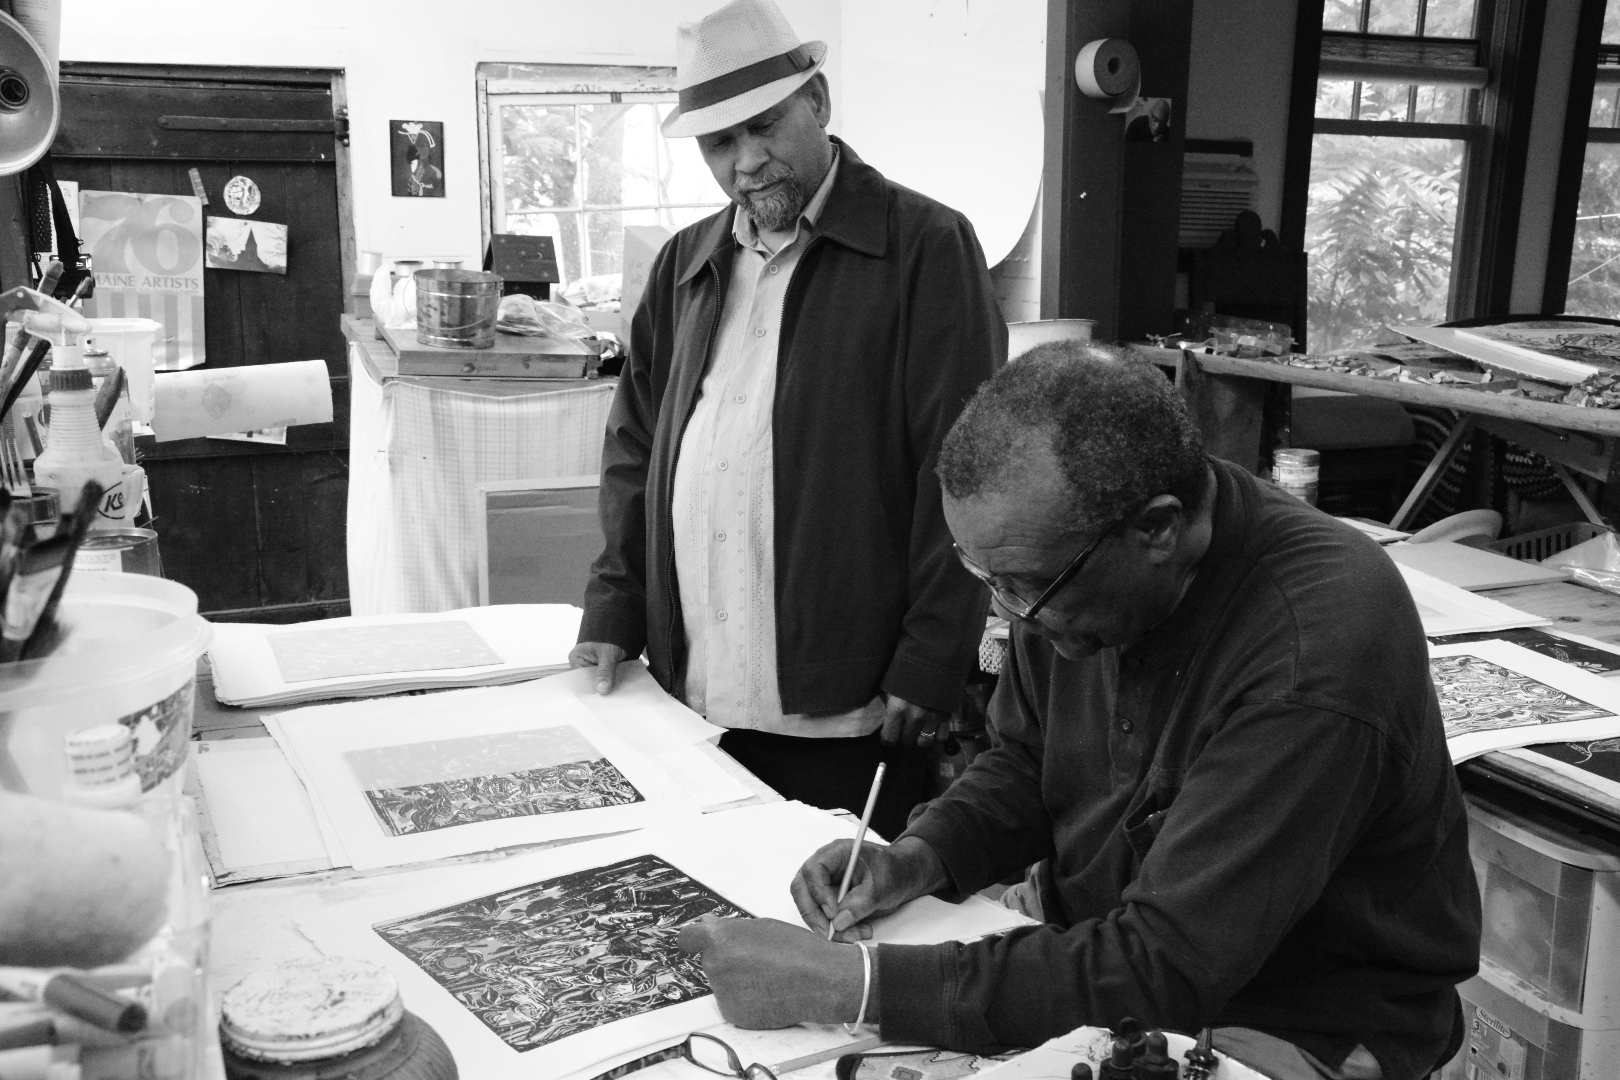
x,y
545,961
335,653
1477,695
420,787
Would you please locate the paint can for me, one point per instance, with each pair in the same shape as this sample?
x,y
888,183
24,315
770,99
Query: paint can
x,y
456,309
327,1018
1298,472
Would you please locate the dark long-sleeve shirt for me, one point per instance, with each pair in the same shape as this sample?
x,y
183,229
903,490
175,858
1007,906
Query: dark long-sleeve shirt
x,y
1248,817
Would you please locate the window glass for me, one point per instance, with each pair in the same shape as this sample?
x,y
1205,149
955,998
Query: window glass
x,y
1594,262
1611,22
1449,18
580,173
1392,17
540,156
1604,101
1341,15
1441,105
1335,98
1380,227
1384,101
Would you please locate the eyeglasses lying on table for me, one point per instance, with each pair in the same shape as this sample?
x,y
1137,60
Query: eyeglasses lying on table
x,y
704,1051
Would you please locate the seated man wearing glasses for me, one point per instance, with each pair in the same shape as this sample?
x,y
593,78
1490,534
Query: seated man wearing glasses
x,y
1216,744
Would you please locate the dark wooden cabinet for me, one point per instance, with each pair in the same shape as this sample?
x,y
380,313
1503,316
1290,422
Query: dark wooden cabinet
x,y
257,531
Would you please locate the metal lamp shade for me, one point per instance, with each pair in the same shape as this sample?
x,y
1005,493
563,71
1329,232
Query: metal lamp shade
x,y
30,107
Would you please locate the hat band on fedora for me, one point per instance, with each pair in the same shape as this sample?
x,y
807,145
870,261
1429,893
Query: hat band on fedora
x,y
734,83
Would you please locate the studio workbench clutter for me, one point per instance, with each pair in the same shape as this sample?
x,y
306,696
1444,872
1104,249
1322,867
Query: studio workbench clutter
x,y
797,539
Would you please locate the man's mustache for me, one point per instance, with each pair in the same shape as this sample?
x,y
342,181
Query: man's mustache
x,y
765,180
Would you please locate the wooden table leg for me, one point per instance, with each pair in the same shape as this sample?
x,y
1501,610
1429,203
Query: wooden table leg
x,y
1426,484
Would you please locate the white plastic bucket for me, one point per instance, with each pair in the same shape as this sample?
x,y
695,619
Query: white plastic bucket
x,y
129,655
129,342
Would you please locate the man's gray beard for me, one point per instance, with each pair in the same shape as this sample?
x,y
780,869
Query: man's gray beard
x,y
779,211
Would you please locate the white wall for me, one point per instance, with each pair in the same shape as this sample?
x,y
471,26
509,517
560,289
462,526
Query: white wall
x,y
406,60
1239,84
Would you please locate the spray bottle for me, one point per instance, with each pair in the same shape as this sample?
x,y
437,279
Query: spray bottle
x,y
77,450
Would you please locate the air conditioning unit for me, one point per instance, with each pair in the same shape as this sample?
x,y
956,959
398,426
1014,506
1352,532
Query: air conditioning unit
x,y
1214,190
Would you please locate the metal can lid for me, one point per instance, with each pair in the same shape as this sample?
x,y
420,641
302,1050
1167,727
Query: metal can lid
x,y
1307,458
306,1010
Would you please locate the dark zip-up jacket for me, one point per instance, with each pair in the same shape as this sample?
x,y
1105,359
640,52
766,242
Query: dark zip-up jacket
x,y
889,325
1248,817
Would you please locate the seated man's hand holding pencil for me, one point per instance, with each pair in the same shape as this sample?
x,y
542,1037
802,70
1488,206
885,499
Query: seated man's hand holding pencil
x,y
885,877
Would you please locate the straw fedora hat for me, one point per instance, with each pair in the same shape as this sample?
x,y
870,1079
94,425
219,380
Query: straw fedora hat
x,y
735,63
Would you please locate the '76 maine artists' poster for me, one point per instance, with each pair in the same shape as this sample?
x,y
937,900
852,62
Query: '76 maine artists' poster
x,y
544,961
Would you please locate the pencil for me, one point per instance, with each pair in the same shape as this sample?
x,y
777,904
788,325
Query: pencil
x,y
860,836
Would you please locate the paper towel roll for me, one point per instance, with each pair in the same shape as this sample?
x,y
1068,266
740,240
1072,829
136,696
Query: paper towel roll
x,y
1107,68
192,404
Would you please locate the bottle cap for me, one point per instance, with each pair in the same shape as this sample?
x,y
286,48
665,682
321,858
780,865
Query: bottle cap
x,y
306,1010
71,379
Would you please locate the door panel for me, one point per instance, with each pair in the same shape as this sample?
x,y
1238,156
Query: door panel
x,y
257,531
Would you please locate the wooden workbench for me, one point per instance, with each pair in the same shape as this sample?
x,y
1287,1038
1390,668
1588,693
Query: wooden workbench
x,y
1231,397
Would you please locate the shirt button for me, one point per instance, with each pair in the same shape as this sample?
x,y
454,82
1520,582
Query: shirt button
x,y
759,331
741,398
721,615
775,268
722,466
1124,725
719,536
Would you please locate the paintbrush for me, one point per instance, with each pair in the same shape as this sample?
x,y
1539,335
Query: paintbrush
x,y
46,634
19,338
107,396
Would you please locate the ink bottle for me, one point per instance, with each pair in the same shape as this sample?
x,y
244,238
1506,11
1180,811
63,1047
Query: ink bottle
x,y
330,1019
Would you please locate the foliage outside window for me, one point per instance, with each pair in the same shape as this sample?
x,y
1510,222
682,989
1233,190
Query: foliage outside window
x,y
1397,108
1594,264
580,167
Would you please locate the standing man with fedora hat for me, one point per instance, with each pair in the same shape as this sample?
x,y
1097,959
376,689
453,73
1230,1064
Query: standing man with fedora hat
x,y
775,539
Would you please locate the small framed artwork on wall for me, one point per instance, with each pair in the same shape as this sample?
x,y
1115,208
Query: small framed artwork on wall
x,y
416,157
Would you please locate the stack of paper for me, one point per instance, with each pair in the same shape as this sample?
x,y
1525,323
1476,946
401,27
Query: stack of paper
x,y
1446,609
442,775
565,962
258,665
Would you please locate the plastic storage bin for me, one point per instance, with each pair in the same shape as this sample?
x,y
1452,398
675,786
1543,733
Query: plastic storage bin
x,y
129,656
1546,1002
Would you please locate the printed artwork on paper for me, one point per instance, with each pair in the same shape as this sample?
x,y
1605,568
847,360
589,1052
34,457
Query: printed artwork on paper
x,y
336,653
147,254
1583,343
545,961
421,787
257,246
1477,695
416,158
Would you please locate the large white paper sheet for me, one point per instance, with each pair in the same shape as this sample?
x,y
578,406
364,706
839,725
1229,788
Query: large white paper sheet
x,y
260,814
219,401
1495,695
747,857
1446,609
385,655
410,780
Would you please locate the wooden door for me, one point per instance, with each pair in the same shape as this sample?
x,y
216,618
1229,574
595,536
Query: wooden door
x,y
258,531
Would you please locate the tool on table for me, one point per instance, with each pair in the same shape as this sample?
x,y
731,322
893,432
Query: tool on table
x,y
19,338
1120,1059
1155,1062
1201,1061
860,837
46,634
107,396
68,991
71,322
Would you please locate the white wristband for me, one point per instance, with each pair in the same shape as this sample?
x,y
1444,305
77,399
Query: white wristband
x,y
866,989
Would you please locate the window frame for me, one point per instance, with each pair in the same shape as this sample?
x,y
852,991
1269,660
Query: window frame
x,y
560,84
1591,56
1507,37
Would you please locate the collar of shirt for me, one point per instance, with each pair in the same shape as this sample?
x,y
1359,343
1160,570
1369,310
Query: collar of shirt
x,y
769,244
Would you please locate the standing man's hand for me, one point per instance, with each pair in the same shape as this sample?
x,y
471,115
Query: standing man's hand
x,y
601,656
769,974
885,877
905,724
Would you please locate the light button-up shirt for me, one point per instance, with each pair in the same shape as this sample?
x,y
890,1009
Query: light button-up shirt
x,y
724,513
